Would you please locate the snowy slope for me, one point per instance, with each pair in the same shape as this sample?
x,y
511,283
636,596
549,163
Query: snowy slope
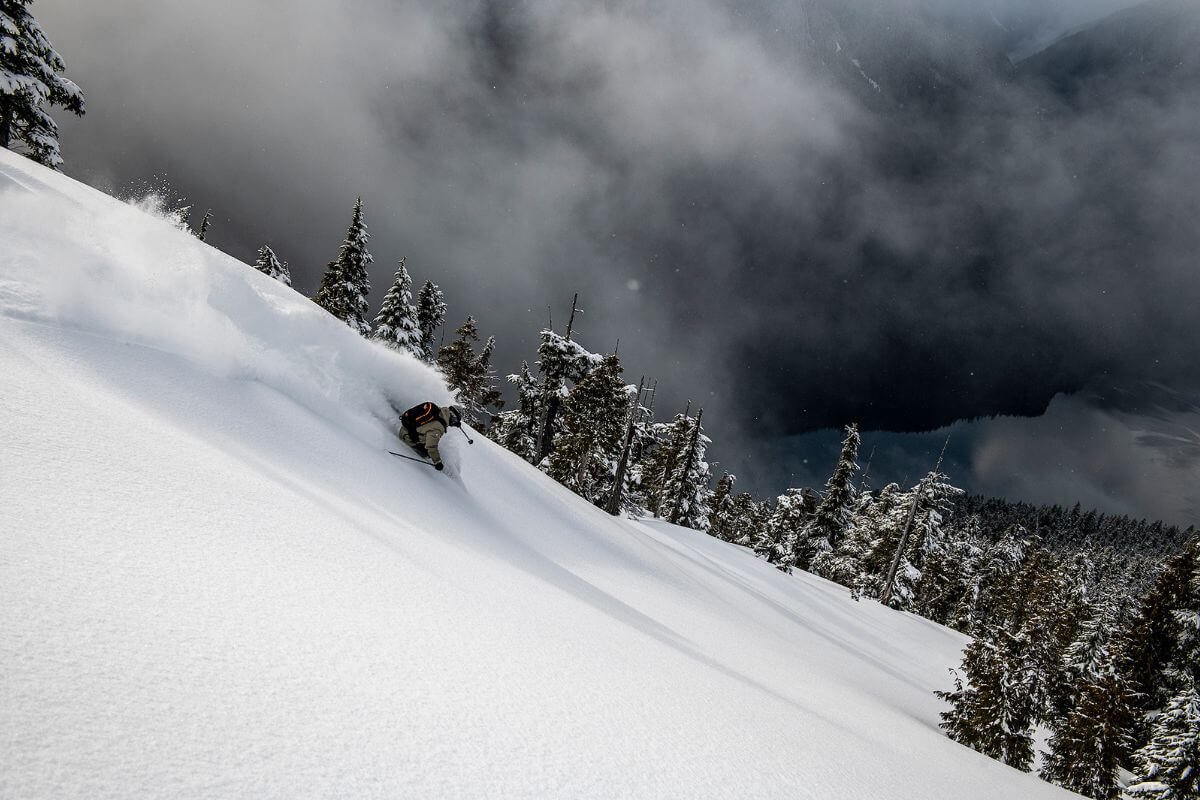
x,y
216,583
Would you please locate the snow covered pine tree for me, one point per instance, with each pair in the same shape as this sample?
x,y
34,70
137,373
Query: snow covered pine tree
x,y
993,713
396,325
686,492
560,361
270,265
823,532
30,80
469,375
431,314
593,423
345,285
1170,764
515,430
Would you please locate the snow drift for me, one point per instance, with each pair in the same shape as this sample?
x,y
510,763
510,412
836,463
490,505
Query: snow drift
x,y
216,582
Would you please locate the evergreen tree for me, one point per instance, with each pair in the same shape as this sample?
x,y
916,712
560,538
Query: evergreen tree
x,y
204,225
1169,765
720,508
584,458
878,523
1183,671
622,496
994,712
686,491
561,362
469,375
748,519
926,542
490,399
783,529
666,442
1036,608
989,586
1156,633
947,574
270,265
1086,657
396,326
1088,747
642,443
846,564
431,314
516,430
345,286
30,82
824,531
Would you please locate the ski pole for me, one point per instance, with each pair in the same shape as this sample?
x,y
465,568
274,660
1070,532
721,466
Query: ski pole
x,y
464,433
410,458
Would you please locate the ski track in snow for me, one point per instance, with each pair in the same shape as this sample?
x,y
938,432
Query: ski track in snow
x,y
217,583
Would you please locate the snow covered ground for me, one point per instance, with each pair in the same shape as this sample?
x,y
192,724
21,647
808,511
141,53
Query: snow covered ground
x,y
216,583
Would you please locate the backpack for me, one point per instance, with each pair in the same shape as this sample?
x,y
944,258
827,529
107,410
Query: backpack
x,y
419,415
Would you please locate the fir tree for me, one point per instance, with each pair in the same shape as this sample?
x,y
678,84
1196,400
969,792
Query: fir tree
x,y
345,286
1156,632
946,575
515,430
720,508
1183,671
204,225
1088,747
926,542
637,488
30,82
878,524
783,529
686,491
270,265
561,362
824,531
748,519
1086,657
585,455
1039,597
490,398
989,586
431,314
993,713
620,496
846,564
396,326
666,442
1169,765
469,375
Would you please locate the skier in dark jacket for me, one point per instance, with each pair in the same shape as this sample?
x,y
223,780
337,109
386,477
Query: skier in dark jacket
x,y
424,425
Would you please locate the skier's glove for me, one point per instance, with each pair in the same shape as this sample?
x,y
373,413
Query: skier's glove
x,y
439,466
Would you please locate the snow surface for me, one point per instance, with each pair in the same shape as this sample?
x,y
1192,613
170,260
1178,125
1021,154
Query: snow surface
x,y
216,582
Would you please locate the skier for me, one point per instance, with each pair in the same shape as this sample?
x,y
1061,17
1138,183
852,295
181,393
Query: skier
x,y
424,425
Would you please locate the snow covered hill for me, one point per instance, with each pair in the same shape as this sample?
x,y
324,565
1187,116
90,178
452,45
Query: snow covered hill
x,y
216,582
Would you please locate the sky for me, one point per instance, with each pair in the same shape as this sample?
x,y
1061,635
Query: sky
x,y
775,213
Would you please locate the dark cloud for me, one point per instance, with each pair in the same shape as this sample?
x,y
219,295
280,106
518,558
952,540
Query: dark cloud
x,y
797,213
